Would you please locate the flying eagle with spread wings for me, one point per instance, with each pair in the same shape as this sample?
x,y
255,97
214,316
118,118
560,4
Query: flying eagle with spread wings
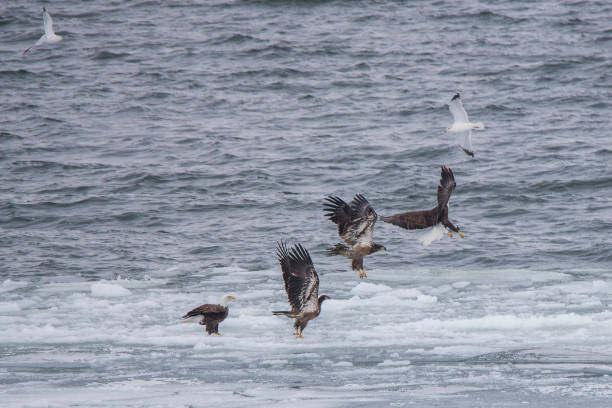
x,y
301,285
435,216
356,227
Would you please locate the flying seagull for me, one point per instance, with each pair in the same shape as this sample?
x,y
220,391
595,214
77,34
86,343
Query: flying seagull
x,y
356,227
49,37
434,217
462,127
211,314
301,285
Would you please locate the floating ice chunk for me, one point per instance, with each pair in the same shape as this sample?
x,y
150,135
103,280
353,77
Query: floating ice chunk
x,y
100,289
393,363
426,299
407,293
367,288
275,362
343,364
461,285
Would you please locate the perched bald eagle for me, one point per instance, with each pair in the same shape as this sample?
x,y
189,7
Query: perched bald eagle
x,y
211,314
355,227
301,285
435,216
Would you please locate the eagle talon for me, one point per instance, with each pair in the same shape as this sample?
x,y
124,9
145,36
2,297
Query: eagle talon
x,y
450,234
299,336
461,234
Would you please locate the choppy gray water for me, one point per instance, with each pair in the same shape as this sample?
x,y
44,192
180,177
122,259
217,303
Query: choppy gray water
x,y
150,161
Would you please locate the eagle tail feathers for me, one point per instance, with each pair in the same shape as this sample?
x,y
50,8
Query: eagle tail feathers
x,y
191,314
339,249
279,312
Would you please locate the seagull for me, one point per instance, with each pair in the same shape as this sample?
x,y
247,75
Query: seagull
x,y
462,125
49,37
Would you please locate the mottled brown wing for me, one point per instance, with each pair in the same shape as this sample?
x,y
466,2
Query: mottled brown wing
x,y
355,221
208,310
339,212
299,274
446,187
364,218
413,219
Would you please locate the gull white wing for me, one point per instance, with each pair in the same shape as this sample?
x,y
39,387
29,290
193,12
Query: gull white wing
x,y
47,23
464,139
456,109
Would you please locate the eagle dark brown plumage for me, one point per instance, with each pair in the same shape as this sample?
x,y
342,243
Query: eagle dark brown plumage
x,y
301,284
429,218
356,227
211,314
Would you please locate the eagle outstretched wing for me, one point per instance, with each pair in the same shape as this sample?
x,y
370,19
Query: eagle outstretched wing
x,y
412,219
446,187
339,212
300,276
355,221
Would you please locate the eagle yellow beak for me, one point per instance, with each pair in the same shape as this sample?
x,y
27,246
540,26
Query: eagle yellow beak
x,y
231,297
476,127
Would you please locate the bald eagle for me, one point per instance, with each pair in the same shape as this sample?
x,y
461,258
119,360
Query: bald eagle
x,y
437,215
211,314
356,227
301,285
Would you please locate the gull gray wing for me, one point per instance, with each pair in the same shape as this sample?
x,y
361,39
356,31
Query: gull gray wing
x,y
47,22
464,139
456,109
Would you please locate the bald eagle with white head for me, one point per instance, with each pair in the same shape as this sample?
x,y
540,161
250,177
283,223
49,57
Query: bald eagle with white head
x,y
437,215
301,285
211,314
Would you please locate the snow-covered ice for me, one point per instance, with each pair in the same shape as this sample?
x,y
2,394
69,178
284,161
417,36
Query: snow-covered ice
x,y
442,334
